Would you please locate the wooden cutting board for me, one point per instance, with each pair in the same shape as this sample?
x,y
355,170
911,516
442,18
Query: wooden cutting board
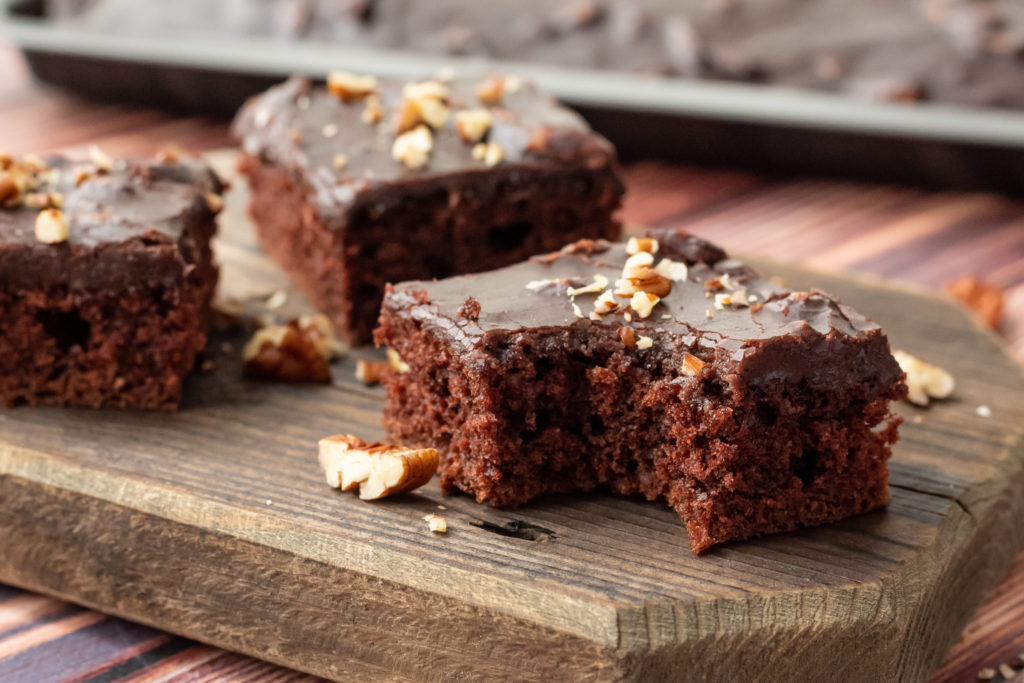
x,y
215,523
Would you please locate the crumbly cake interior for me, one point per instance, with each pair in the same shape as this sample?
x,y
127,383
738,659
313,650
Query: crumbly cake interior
x,y
794,431
575,411
117,349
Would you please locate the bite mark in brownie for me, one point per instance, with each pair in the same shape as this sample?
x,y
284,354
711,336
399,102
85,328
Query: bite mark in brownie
x,y
431,186
111,310
750,409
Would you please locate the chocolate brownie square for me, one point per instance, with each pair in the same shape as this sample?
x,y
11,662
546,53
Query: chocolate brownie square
x,y
106,275
661,368
368,182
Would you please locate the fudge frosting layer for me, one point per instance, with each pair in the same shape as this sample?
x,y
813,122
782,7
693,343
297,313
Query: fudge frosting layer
x,y
306,128
129,222
719,302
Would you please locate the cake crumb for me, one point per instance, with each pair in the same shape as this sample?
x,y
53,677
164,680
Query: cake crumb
x,y
983,411
470,309
436,523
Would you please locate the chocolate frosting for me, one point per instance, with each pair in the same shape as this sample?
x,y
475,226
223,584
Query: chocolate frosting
x,y
303,128
142,222
502,303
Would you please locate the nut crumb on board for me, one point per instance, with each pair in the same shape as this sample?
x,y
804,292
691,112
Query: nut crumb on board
x,y
986,674
924,380
300,351
436,523
375,469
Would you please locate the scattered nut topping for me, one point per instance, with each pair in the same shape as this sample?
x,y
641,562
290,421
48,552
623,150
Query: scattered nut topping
x,y
924,380
330,130
628,317
676,271
425,90
374,111
537,285
339,162
714,285
1007,671
81,176
643,303
436,523
691,365
215,202
984,299
445,74
986,674
513,84
606,303
641,259
370,371
644,343
424,103
491,153
628,337
376,470
598,285
491,91
709,314
396,362
738,298
349,87
300,351
985,411
472,124
101,160
576,311
51,226
6,161
261,118
413,148
595,316
637,244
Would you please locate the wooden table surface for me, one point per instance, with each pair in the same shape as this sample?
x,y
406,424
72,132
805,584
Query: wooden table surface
x,y
922,237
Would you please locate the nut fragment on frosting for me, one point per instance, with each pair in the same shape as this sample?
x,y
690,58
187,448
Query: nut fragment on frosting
x,y
924,380
349,87
376,470
643,303
396,362
491,91
413,148
100,159
637,244
51,227
491,153
472,124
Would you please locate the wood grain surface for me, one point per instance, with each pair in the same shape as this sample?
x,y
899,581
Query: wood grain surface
x,y
930,232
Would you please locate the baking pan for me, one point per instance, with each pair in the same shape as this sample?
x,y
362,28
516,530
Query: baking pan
x,y
766,128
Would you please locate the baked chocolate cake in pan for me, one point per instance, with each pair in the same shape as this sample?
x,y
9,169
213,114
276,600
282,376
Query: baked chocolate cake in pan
x,y
106,275
661,368
366,182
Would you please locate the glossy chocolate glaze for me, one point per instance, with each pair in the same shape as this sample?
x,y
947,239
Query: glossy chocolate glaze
x,y
142,222
958,51
508,306
303,128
